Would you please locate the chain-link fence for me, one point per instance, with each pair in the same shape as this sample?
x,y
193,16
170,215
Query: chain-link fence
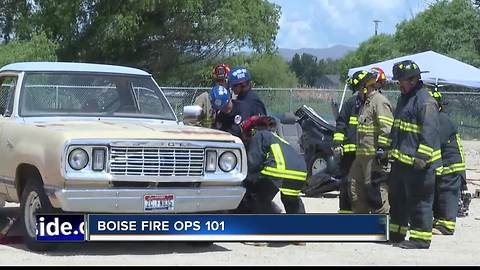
x,y
463,107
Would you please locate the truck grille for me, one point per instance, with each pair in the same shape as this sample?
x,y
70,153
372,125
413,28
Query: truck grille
x,y
145,161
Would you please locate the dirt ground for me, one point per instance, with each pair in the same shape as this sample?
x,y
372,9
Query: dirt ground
x,y
460,249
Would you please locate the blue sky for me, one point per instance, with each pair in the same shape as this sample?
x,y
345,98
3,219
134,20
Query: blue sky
x,y
324,23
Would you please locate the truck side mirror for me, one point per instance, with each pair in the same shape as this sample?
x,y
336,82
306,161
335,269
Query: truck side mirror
x,y
192,114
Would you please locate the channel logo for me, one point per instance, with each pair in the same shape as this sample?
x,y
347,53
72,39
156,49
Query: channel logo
x,y
60,228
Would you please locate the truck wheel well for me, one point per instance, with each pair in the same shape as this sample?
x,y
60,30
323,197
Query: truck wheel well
x,y
24,172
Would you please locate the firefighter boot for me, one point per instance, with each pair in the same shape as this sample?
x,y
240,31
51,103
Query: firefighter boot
x,y
415,244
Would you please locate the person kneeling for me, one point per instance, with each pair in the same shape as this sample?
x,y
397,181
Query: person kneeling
x,y
273,165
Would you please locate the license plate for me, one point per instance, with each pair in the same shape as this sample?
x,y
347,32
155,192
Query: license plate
x,y
159,202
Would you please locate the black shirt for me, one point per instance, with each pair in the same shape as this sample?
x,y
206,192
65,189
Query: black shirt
x,y
230,122
255,104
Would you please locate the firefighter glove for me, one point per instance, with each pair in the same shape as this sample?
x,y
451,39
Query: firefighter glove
x,y
419,164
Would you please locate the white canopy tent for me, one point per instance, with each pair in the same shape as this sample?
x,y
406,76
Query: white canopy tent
x,y
441,70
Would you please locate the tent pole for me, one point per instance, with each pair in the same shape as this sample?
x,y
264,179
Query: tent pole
x,y
343,97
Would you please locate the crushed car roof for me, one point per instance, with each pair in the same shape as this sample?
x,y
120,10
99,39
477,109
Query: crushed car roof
x,y
72,67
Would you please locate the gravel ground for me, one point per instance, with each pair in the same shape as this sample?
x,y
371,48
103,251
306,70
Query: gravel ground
x,y
460,249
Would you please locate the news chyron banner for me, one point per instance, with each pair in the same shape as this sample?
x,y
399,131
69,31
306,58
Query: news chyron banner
x,y
219,228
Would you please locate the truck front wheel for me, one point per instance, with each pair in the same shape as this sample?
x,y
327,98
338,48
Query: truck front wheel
x,y
34,201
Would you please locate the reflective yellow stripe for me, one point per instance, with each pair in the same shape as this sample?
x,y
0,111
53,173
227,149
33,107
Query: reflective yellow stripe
x,y
353,120
345,212
384,140
394,227
408,127
369,129
398,229
349,148
424,149
460,147
338,137
404,158
453,168
278,156
283,175
436,155
280,138
422,235
289,172
447,223
386,120
291,192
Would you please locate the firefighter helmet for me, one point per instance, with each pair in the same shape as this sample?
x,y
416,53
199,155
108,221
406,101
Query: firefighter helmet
x,y
220,73
219,97
359,79
256,122
405,70
380,74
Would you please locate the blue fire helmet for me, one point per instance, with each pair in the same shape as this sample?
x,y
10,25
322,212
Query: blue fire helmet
x,y
219,97
238,75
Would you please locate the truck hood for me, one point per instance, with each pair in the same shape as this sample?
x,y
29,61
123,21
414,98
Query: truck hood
x,y
125,129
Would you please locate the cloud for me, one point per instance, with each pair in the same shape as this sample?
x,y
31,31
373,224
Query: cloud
x,y
322,23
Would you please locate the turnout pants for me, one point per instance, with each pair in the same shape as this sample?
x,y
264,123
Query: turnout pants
x,y
447,195
262,189
345,200
411,200
361,179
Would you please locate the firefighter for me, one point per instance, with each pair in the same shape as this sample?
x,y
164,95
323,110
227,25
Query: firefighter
x,y
229,113
273,165
416,152
344,144
450,176
375,121
240,82
219,76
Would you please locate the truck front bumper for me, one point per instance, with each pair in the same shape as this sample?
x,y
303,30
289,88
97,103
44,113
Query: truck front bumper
x,y
130,200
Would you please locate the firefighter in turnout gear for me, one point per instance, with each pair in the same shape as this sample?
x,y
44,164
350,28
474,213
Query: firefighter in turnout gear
x,y
273,165
375,121
416,152
344,143
450,176
219,76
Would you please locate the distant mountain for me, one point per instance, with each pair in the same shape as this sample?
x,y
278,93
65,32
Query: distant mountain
x,y
335,52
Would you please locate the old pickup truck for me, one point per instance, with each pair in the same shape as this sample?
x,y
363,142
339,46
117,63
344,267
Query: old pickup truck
x,y
89,138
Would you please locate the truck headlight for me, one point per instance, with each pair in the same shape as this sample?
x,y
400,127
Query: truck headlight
x,y
227,161
98,159
211,161
78,159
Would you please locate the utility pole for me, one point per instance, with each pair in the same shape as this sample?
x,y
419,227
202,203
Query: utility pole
x,y
376,26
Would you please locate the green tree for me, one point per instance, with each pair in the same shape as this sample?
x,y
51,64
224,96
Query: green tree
x,y
39,48
376,48
447,27
270,70
157,35
307,68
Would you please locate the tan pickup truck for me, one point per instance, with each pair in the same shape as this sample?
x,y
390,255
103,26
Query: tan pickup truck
x,y
90,138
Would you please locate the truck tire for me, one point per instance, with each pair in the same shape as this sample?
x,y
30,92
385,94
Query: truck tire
x,y
317,164
34,201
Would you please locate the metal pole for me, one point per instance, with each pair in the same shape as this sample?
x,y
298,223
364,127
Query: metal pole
x,y
376,26
343,97
290,101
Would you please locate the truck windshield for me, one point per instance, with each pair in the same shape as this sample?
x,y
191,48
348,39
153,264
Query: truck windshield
x,y
92,94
